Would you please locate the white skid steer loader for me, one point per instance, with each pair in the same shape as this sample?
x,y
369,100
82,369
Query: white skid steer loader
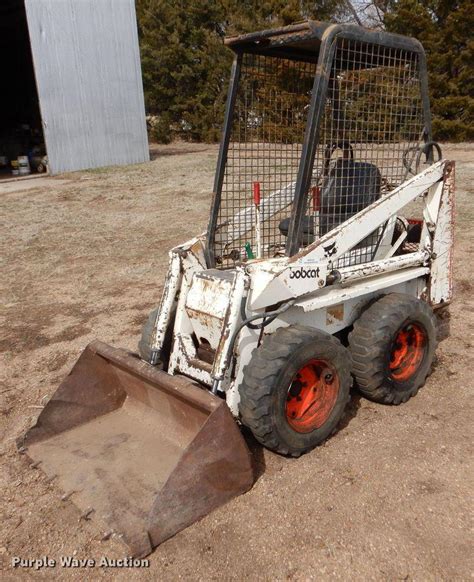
x,y
327,257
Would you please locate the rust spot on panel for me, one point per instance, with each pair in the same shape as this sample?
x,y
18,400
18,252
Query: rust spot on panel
x,y
200,365
206,320
334,313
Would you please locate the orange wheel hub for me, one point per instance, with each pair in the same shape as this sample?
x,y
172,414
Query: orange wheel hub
x,y
408,350
312,396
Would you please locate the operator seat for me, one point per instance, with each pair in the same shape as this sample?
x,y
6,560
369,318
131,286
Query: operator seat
x,y
349,187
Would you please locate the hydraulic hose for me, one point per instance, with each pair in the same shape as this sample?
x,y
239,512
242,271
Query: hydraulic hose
x,y
267,317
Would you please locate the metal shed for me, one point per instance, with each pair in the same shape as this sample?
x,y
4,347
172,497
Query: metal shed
x,y
86,63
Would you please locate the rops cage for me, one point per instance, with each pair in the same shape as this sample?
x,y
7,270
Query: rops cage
x,y
321,121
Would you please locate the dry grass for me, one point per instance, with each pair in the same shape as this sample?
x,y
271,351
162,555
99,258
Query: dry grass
x,y
386,498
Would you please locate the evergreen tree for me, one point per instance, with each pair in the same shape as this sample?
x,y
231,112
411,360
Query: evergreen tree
x,y
185,63
445,29
186,66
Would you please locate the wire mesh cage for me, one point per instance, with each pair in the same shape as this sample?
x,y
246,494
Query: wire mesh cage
x,y
264,153
370,130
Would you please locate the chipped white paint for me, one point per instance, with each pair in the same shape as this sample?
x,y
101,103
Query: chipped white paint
x,y
337,294
207,303
368,270
441,283
233,318
353,299
167,307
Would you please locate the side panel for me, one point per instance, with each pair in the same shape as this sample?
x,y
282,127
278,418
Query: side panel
x,y
88,73
331,313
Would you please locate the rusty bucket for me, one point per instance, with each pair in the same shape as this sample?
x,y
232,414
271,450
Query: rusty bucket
x,y
144,452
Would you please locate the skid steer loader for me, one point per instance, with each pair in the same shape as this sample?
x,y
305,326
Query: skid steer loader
x,y
327,256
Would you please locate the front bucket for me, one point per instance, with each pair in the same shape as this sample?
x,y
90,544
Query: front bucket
x,y
145,452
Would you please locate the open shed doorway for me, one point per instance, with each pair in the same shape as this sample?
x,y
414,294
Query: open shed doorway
x,y
21,132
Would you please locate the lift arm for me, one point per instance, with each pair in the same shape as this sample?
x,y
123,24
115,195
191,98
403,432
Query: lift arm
x,y
307,271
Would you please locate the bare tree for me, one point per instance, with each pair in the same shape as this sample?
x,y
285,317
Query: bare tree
x,y
368,13
353,12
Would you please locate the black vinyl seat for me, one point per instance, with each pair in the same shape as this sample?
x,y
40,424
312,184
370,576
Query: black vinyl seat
x,y
349,188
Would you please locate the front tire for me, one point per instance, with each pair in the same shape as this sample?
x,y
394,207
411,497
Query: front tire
x,y
392,346
295,389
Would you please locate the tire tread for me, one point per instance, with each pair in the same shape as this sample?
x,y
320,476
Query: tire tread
x,y
260,377
371,331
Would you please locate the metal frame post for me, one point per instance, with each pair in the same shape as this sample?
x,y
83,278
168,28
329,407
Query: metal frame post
x,y
222,158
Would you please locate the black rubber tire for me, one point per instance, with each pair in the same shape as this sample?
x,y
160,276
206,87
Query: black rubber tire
x,y
144,345
371,341
266,380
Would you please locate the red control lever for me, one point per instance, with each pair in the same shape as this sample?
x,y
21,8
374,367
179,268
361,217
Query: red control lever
x,y
256,193
316,194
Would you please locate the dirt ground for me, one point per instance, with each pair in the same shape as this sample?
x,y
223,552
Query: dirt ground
x,y
386,498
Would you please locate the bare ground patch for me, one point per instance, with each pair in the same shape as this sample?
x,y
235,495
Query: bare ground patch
x,y
387,498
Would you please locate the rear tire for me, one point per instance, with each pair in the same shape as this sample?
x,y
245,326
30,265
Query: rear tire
x,y
392,346
295,389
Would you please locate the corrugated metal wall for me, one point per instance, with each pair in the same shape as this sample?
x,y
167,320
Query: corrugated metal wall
x,y
88,73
